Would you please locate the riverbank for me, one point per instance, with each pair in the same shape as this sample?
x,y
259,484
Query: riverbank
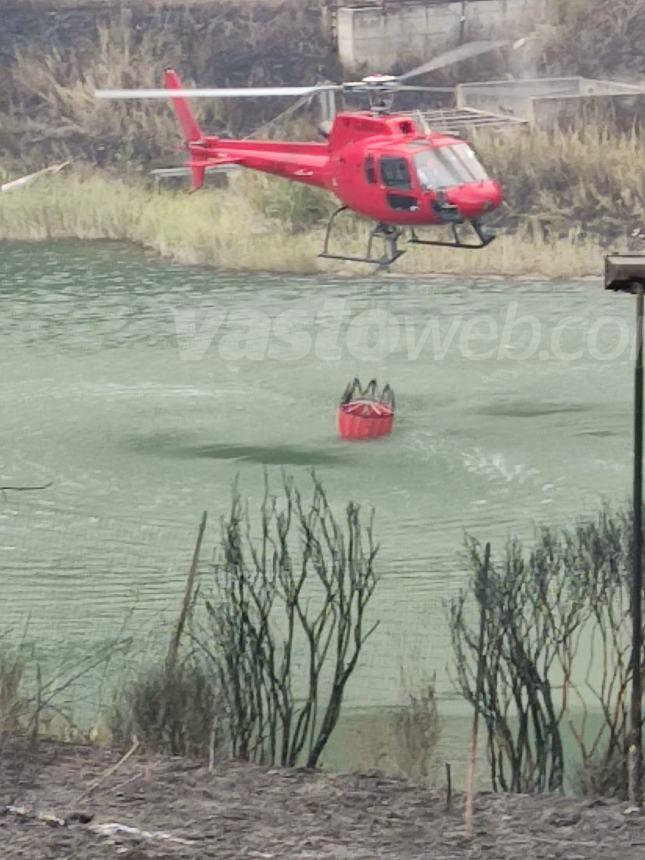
x,y
154,807
231,229
570,196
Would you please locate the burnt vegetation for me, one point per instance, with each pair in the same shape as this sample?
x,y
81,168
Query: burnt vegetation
x,y
555,654
269,640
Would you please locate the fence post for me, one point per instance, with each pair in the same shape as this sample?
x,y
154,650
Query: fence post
x,y
482,599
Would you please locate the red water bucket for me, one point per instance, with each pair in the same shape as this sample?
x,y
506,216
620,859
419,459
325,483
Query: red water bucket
x,y
365,419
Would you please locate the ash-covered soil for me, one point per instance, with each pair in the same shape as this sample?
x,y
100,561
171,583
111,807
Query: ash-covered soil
x,y
152,808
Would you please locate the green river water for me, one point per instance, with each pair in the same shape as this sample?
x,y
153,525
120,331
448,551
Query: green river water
x,y
141,389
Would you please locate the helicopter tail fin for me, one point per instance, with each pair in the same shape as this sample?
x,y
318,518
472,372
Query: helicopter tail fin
x,y
190,126
183,111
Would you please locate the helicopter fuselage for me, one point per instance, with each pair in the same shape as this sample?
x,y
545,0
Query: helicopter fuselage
x,y
389,168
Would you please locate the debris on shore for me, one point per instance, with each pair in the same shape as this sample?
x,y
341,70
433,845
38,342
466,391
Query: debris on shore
x,y
154,808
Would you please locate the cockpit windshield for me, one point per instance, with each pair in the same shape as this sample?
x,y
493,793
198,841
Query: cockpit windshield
x,y
444,166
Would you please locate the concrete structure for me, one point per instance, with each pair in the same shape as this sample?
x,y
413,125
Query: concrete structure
x,y
546,102
376,37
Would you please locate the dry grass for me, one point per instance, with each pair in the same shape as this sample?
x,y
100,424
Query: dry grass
x,y
179,712
32,706
587,181
597,38
569,197
403,741
47,111
14,707
229,229
70,120
218,228
568,194
152,4
47,108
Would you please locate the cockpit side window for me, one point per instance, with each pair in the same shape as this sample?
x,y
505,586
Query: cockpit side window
x,y
370,170
395,173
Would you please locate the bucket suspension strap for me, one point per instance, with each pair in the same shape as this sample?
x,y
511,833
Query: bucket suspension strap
x,y
387,396
354,391
371,390
350,390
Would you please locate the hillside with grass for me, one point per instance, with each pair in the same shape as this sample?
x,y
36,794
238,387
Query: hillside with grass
x,y
566,191
51,63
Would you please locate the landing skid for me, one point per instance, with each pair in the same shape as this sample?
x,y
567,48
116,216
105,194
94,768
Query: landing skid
x,y
390,235
485,238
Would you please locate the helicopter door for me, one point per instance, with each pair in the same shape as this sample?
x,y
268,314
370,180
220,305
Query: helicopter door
x,y
395,175
370,170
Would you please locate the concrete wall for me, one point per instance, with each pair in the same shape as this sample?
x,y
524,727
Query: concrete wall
x,y
515,98
376,38
564,112
549,101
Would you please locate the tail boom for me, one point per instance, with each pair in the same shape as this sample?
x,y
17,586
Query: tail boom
x,y
300,162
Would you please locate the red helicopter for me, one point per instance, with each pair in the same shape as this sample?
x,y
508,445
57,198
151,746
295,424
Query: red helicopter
x,y
389,167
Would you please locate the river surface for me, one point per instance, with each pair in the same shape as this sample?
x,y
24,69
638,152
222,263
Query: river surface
x,y
141,389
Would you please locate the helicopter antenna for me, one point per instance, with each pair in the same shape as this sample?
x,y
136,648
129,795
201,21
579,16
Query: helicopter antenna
x,y
327,111
423,122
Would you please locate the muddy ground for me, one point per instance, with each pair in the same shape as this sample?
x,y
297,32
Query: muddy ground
x,y
176,808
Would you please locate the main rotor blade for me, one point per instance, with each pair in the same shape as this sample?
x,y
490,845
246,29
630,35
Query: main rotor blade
x,y
217,93
456,55
301,102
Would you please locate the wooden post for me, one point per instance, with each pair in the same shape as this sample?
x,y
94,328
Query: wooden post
x,y
188,594
625,273
482,598
635,736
